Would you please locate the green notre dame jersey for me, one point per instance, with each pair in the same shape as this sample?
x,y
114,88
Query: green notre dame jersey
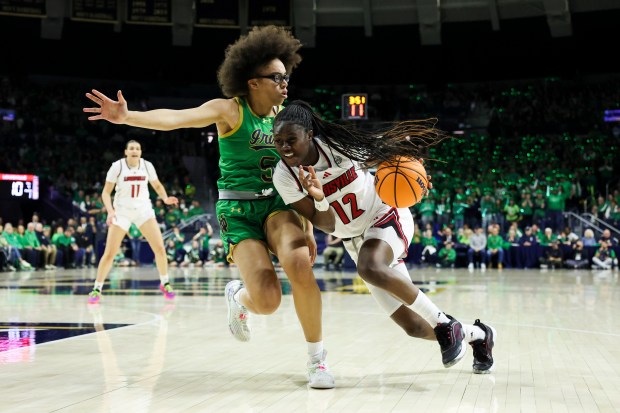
x,y
247,153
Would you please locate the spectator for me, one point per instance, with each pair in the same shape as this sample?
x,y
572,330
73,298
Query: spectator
x,y
512,211
171,253
547,238
192,257
477,249
588,238
13,241
219,254
84,252
65,243
446,256
203,236
607,238
527,242
44,236
579,257
553,258
135,239
568,237
333,252
429,247
605,258
495,248
32,241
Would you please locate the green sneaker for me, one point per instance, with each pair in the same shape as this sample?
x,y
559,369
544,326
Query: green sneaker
x,y
94,296
167,290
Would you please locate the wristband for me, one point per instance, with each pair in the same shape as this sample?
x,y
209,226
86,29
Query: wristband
x,y
322,205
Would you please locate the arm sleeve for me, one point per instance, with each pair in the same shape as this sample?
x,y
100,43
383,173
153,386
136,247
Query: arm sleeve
x,y
287,185
113,172
150,171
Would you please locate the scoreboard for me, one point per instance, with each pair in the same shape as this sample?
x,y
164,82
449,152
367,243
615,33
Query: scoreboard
x,y
354,106
19,186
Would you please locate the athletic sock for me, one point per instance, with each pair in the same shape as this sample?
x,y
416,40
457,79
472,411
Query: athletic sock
x,y
473,333
315,351
428,310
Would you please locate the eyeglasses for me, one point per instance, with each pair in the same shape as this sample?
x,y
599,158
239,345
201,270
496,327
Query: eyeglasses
x,y
276,77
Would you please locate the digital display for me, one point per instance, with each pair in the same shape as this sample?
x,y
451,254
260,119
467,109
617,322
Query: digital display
x,y
149,11
266,12
33,8
19,186
354,106
95,10
612,115
7,115
217,13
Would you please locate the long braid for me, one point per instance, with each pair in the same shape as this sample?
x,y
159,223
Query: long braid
x,y
407,138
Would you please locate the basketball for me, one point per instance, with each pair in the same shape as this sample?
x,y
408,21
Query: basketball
x,y
401,183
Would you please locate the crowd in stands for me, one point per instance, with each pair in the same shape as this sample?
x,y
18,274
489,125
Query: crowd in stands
x,y
540,148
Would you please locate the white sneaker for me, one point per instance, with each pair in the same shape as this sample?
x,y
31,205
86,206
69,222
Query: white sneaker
x,y
483,266
319,376
470,267
237,313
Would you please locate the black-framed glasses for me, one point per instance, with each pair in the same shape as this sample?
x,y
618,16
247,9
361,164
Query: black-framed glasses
x,y
276,77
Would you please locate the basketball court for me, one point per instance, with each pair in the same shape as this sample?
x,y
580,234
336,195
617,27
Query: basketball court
x,y
556,351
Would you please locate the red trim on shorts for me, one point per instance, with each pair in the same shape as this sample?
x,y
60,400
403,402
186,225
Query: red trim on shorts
x,y
392,215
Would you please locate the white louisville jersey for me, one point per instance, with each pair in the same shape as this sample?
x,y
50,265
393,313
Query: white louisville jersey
x,y
348,187
132,184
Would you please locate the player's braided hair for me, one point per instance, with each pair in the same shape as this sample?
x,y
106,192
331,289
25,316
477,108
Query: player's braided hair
x,y
408,138
259,47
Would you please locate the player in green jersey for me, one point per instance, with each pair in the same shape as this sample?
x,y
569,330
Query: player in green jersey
x,y
253,218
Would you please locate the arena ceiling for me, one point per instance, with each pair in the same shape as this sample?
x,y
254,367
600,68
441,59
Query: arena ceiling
x,y
430,14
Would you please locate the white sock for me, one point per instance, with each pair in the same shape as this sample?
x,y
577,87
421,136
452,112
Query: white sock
x,y
473,333
428,310
315,351
98,286
164,279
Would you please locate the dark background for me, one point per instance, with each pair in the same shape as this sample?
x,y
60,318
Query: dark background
x,y
472,51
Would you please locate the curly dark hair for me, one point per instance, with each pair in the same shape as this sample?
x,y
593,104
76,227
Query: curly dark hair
x,y
259,47
409,138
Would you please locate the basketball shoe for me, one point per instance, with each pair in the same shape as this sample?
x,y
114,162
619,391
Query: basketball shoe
x,y
319,376
450,337
483,349
237,313
167,290
94,296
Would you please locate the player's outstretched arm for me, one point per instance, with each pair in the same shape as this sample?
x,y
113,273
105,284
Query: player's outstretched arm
x,y
116,111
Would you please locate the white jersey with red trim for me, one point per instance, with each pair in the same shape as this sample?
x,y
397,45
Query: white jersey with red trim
x,y
132,184
348,187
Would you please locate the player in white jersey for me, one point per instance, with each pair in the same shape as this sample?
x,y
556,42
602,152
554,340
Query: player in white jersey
x,y
323,174
130,177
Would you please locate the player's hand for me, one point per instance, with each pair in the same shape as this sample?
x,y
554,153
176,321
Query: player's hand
x,y
312,246
310,182
110,219
171,200
114,111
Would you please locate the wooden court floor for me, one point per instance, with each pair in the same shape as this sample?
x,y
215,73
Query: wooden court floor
x,y
558,346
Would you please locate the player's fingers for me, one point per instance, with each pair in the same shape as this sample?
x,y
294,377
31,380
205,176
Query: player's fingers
x,y
95,117
94,98
92,110
100,95
312,171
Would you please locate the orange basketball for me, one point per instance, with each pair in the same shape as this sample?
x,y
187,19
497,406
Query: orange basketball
x,y
401,183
